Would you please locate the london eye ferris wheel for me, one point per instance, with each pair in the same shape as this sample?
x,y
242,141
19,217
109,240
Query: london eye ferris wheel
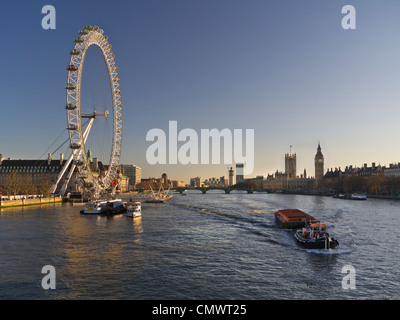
x,y
91,182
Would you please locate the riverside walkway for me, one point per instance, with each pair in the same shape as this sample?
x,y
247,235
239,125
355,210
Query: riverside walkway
x,y
29,202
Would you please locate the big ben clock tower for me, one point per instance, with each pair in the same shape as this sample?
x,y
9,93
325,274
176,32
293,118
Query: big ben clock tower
x,y
319,168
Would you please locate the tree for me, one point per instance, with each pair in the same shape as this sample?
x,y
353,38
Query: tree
x,y
375,184
354,184
393,185
28,186
45,184
13,183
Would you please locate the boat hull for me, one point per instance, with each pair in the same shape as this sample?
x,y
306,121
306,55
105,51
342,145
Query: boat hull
x,y
134,210
323,243
134,214
104,207
112,211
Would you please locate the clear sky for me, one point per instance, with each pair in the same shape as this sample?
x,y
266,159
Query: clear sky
x,y
285,68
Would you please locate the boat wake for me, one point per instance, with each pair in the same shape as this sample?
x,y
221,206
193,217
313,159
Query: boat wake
x,y
329,251
251,222
247,220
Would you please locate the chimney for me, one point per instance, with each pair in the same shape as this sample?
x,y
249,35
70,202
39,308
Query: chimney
x,y
95,164
49,159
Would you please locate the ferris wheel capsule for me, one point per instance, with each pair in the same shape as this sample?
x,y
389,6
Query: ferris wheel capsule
x,y
91,28
75,52
70,106
83,32
72,67
75,146
72,127
70,86
78,40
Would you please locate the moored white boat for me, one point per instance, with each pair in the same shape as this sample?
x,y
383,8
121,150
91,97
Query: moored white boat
x,y
114,206
357,196
353,196
134,209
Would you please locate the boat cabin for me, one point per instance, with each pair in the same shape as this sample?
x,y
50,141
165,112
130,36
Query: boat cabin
x,y
315,229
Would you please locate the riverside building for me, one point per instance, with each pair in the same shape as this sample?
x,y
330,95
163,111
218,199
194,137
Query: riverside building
x,y
38,176
30,176
134,173
289,178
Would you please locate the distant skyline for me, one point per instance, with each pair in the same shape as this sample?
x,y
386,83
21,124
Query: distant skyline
x,y
286,69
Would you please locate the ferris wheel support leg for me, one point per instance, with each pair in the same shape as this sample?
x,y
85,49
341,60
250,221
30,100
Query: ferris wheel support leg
x,y
66,165
61,174
65,185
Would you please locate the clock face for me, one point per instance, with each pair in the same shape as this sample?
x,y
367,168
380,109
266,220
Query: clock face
x,y
320,160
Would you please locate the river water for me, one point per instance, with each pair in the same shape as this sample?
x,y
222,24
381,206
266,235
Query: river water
x,y
212,246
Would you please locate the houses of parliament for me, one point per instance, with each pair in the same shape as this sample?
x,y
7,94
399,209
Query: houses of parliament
x,y
290,180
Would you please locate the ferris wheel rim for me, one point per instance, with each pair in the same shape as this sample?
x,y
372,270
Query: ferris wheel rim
x,y
92,35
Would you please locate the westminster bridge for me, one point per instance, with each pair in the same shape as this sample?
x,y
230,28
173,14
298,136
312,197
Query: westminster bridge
x,y
225,189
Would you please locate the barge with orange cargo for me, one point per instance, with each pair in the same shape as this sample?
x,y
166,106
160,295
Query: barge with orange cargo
x,y
293,218
311,233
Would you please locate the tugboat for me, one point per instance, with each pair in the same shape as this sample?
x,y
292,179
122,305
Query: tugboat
x,y
315,236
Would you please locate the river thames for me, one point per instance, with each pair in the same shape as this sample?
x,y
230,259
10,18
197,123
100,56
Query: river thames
x,y
201,246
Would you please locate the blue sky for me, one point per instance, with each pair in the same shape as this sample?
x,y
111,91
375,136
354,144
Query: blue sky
x,y
285,68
